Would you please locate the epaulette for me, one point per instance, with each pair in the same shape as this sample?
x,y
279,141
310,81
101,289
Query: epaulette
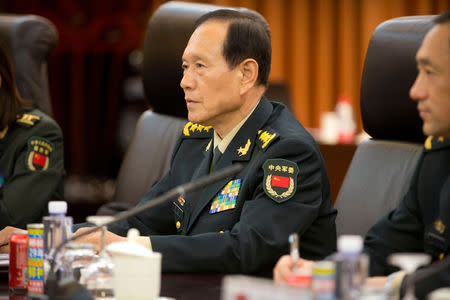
x,y
266,137
436,142
194,130
28,120
3,132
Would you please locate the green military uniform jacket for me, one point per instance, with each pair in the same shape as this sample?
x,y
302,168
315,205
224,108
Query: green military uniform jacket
x,y
421,222
242,223
31,168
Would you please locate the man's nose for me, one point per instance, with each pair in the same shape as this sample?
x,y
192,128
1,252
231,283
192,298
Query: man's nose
x,y
417,91
186,81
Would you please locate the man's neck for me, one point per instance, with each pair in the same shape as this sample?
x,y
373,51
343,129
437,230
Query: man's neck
x,y
251,101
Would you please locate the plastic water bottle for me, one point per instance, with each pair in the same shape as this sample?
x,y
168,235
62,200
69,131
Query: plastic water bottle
x,y
57,229
351,267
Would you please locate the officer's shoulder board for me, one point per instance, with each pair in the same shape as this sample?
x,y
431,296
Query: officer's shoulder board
x,y
28,120
436,142
266,137
193,130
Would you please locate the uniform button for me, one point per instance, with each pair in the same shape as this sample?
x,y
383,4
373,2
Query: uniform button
x,y
178,225
221,231
441,256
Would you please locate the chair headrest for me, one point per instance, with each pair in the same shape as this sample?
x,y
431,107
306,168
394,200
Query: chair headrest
x,y
168,32
29,40
389,72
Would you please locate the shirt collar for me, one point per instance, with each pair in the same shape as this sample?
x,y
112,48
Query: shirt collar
x,y
223,143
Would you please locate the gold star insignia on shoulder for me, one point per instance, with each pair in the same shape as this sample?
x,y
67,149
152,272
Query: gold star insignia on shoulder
x,y
28,119
266,137
427,144
243,151
193,129
436,143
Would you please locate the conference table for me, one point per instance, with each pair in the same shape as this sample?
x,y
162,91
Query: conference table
x,y
181,286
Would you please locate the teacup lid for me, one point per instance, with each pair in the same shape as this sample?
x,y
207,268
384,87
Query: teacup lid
x,y
130,247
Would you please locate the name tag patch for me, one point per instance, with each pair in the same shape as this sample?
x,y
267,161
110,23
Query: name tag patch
x,y
226,199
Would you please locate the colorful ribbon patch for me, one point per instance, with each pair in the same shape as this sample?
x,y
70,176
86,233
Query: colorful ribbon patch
x,y
2,181
226,199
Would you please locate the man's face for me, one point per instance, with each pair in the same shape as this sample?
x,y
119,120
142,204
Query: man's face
x,y
211,88
431,89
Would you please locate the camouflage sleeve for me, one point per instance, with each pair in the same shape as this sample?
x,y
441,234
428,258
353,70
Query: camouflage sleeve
x,y
37,176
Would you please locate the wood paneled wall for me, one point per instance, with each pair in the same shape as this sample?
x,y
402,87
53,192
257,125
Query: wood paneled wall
x,y
319,45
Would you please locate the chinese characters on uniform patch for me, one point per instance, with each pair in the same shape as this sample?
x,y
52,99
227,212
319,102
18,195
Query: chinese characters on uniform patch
x,y
280,179
226,199
39,153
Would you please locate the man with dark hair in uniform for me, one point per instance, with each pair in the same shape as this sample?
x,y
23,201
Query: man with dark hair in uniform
x,y
421,222
242,223
31,156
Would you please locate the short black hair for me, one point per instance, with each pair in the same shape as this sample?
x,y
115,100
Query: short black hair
x,y
443,18
248,36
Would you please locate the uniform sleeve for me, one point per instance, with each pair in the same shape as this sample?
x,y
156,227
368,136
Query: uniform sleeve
x,y
432,282
401,230
260,235
27,191
158,220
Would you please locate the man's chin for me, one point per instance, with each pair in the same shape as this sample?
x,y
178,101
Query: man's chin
x,y
429,131
199,121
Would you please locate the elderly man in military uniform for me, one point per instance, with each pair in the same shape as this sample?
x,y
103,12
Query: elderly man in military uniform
x,y
421,222
242,223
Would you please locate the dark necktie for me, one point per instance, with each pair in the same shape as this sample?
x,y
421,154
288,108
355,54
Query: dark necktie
x,y
216,156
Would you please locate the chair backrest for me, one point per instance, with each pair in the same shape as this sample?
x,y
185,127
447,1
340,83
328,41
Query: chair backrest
x,y
381,169
29,40
148,155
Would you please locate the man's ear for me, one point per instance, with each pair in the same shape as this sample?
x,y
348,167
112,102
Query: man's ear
x,y
249,71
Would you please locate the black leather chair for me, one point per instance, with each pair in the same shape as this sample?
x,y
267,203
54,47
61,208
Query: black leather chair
x,y
148,156
29,39
382,166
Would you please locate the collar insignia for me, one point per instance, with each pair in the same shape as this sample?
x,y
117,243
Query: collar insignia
x,y
280,179
192,129
243,151
28,119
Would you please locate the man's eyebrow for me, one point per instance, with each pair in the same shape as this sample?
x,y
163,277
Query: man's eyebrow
x,y
425,61
193,57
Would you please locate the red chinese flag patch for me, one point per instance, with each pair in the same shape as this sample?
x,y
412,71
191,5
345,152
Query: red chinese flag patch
x,y
280,181
39,159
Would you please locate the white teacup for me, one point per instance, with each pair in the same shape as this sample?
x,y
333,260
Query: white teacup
x,y
137,270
